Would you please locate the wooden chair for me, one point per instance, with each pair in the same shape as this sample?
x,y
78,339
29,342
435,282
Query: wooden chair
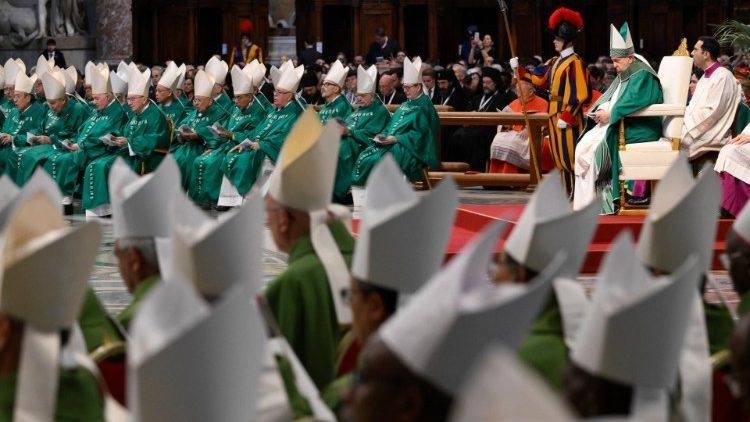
x,y
650,160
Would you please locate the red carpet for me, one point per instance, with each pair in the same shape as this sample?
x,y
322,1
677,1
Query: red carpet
x,y
471,218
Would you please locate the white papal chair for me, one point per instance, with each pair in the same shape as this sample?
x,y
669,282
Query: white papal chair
x,y
650,160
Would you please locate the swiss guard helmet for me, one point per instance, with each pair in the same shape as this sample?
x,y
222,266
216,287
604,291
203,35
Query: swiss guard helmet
x,y
565,23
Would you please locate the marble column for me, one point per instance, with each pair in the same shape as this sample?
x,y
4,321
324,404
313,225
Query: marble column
x,y
114,30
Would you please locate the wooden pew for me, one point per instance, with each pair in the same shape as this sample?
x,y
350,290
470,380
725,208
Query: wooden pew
x,y
537,122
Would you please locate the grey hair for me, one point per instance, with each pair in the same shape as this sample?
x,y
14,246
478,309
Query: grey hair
x,y
145,245
159,68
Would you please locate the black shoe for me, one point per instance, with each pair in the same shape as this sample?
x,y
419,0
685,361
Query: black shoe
x,y
344,200
68,209
637,201
222,208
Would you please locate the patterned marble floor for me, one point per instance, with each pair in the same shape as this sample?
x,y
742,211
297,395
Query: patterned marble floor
x,y
108,285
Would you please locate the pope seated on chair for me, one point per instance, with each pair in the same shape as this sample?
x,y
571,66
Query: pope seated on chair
x,y
597,163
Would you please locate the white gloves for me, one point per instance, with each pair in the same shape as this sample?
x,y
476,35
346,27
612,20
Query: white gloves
x,y
514,63
561,124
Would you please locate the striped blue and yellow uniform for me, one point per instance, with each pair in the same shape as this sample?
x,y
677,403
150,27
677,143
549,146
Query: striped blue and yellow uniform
x,y
567,83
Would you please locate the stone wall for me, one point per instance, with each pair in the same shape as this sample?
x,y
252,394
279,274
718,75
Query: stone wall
x,y
100,30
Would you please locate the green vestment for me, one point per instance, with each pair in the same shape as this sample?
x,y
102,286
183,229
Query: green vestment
x,y
224,101
174,111
65,166
363,124
340,108
78,397
301,301
145,132
96,325
242,168
58,127
186,152
639,87
413,126
544,347
141,290
206,176
17,125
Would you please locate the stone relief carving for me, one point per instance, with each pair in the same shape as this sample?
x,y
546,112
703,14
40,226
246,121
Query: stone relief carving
x,y
22,21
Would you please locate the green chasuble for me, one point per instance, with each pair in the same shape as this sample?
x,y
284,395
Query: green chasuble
x,y
363,124
126,109
224,101
340,108
186,103
242,168
544,347
6,105
300,299
186,152
174,112
333,394
65,166
141,290
206,176
78,397
59,127
148,138
719,325
639,88
97,326
145,133
90,108
263,100
413,127
17,125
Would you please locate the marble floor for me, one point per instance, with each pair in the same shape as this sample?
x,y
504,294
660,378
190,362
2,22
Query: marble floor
x,y
108,285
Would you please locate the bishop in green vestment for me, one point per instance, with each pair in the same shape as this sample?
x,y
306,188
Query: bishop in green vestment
x,y
147,135
143,134
243,162
193,133
70,159
27,116
143,144
63,118
300,299
206,176
97,326
367,120
337,107
78,396
409,137
192,143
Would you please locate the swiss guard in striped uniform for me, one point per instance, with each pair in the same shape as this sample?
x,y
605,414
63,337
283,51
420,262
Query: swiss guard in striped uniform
x,y
565,78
